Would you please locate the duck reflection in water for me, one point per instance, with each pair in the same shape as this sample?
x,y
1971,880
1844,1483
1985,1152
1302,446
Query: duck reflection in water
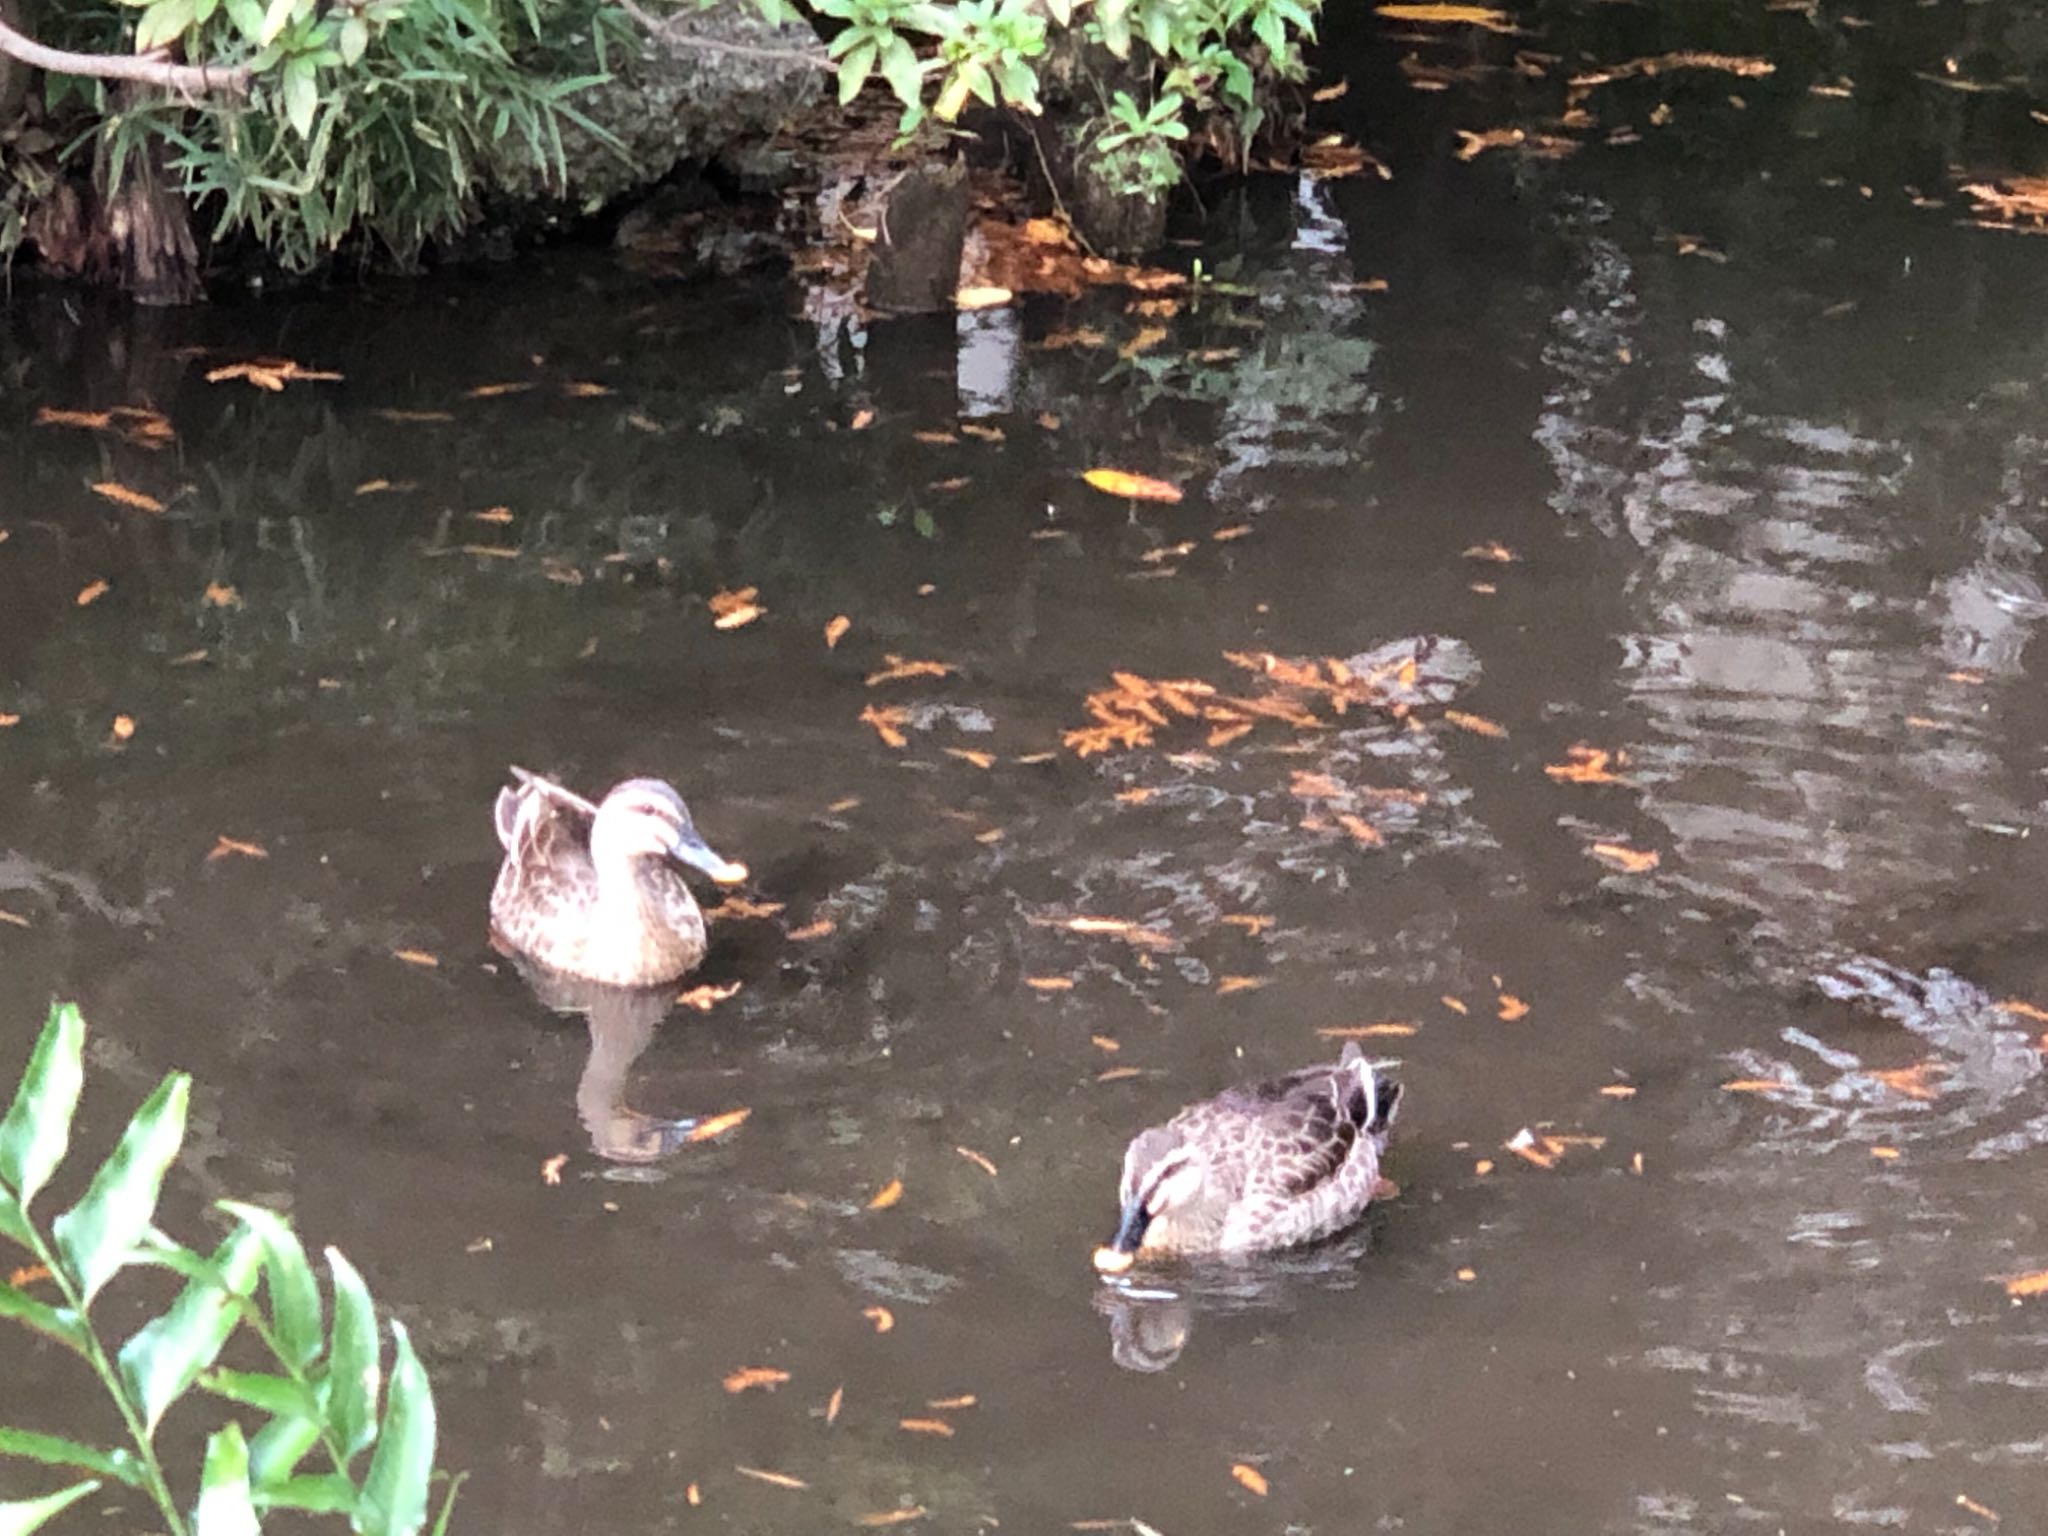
x,y
622,1023
1147,1328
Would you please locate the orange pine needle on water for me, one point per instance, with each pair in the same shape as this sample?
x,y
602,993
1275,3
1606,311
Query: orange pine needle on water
x,y
418,957
1366,1031
778,1479
1630,861
751,1376
978,1160
718,1125
937,1427
227,847
1493,550
832,1404
1228,984
92,592
1250,1477
835,631
708,996
888,723
2034,1284
887,1195
1049,983
898,667
1120,482
893,1516
1585,764
1757,1085
731,609
1478,725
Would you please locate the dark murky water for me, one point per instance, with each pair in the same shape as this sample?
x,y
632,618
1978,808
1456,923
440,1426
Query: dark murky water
x,y
1778,523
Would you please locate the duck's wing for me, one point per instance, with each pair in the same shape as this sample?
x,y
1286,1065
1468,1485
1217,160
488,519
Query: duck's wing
x,y
1312,1120
544,827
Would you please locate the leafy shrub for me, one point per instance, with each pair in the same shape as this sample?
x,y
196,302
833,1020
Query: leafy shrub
x,y
322,1394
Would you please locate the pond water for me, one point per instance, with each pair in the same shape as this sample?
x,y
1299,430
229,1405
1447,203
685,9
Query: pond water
x,y
1767,454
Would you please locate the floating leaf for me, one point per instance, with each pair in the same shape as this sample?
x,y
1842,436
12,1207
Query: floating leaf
x,y
708,996
95,1236
417,957
92,592
1478,725
394,1494
228,847
937,1427
1118,482
778,1479
978,1160
718,1125
224,1507
832,1404
836,630
893,1516
730,610
1250,1477
1512,1007
881,1317
887,1195
748,1377
37,1130
1585,764
2035,1284
1631,861
899,668
114,491
887,723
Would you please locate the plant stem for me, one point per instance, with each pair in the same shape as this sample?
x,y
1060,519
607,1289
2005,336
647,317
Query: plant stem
x,y
110,1378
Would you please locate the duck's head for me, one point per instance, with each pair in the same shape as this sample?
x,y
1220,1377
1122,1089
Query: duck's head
x,y
646,819
1165,1173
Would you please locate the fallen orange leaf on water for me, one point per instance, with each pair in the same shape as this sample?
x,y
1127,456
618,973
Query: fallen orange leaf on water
x,y
1494,550
2035,1284
1981,1511
836,630
1885,1154
862,419
899,668
92,592
551,1170
812,930
6,720
1250,1477
583,389
1630,861
893,1516
14,918
225,846
1512,1007
115,491
708,996
730,610
1757,1085
221,595
967,755
964,1400
2024,1010
887,1195
832,1404
497,391
1366,1031
1049,983
92,421
1478,725
1253,924
718,1125
1585,764
887,723
1618,1091
750,1376
415,957
881,1317
270,373
978,1160
739,909
1912,1082
1226,985
927,1427
1119,482
779,1479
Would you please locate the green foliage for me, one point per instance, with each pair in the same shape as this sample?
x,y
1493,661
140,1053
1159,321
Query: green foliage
x,y
324,1390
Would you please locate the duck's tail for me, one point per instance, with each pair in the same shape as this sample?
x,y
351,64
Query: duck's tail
x,y
1380,1096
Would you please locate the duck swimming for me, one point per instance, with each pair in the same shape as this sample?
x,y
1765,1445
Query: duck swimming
x,y
595,891
1260,1167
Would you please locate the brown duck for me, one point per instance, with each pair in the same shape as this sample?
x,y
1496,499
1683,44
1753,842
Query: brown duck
x,y
596,891
1264,1166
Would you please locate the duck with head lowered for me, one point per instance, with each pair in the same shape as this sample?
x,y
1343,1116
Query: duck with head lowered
x,y
1266,1166
596,891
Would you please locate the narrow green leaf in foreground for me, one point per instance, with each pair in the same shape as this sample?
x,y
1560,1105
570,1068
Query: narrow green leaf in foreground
x,y
394,1496
56,1451
94,1237
165,1356
352,1375
59,1323
224,1508
37,1130
294,1293
20,1516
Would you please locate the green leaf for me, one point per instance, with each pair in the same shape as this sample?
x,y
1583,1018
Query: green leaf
x,y
164,22
20,1516
854,70
301,94
59,1323
247,15
275,16
224,1507
953,97
276,1395
352,1375
202,13
166,1355
14,1220
278,1449
328,1494
37,1130
394,1496
900,67
56,1451
95,1235
355,37
294,1293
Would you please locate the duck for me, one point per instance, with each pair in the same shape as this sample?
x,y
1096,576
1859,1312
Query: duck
x,y
595,891
1257,1168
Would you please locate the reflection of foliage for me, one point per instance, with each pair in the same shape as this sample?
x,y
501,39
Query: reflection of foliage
x,y
323,1392
1291,377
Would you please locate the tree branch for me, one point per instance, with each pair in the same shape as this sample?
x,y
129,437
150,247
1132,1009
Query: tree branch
x,y
150,69
668,34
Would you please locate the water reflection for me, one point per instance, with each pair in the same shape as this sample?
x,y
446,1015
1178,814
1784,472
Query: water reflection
x,y
622,1024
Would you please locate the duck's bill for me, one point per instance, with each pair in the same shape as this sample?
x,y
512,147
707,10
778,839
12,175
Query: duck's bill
x,y
1122,1250
1114,1261
699,855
